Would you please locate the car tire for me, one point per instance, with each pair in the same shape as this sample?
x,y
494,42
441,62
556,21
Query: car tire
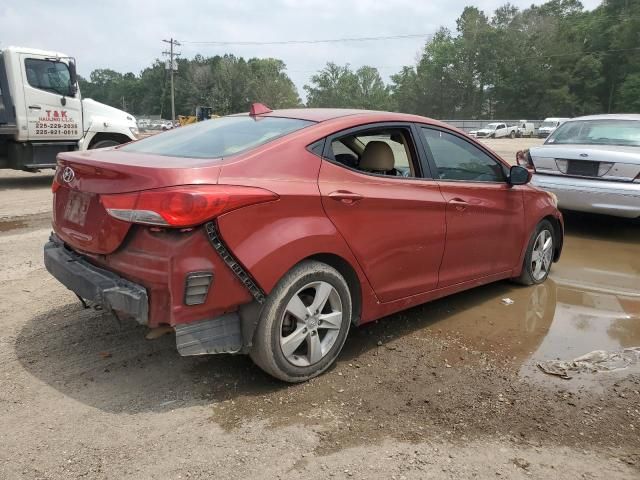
x,y
319,336
493,135
538,257
104,144
512,134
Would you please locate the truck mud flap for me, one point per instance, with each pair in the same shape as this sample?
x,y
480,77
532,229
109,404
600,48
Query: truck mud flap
x,y
219,335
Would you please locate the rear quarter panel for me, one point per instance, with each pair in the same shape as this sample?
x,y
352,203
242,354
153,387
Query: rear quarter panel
x,y
269,239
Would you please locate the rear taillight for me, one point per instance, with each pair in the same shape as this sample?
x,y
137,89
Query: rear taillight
x,y
55,185
183,206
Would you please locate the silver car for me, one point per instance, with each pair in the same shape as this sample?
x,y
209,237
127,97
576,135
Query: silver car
x,y
592,164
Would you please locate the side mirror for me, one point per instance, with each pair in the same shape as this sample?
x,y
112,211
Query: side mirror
x,y
73,79
519,175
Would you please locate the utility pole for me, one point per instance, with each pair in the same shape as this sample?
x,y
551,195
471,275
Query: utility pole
x,y
172,66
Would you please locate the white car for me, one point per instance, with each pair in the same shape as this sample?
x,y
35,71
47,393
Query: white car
x,y
592,164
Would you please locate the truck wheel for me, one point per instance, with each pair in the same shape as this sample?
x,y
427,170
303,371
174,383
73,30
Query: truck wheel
x,y
493,135
512,134
104,144
539,255
303,324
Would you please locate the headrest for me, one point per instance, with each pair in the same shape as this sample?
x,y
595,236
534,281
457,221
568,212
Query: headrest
x,y
377,157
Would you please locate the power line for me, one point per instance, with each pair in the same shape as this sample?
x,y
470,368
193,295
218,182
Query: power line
x,y
307,42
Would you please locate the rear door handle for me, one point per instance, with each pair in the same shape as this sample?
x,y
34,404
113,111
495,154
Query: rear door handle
x,y
459,204
345,196
35,107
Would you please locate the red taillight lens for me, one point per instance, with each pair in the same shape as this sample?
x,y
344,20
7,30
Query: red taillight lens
x,y
183,206
55,185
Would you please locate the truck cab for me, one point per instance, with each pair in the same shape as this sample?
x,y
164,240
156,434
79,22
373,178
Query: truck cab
x,y
42,112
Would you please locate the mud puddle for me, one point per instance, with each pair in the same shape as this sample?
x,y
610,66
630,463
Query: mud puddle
x,y
29,222
590,302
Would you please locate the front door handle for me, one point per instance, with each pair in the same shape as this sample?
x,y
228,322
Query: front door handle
x,y
345,196
459,204
35,107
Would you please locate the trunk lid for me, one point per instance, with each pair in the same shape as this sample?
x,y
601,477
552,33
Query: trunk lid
x,y
79,217
617,163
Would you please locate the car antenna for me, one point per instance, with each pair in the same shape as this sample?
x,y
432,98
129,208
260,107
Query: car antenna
x,y
259,109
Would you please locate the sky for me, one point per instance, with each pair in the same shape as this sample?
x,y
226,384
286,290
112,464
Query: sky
x,y
126,36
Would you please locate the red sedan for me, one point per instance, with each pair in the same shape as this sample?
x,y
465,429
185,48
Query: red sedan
x,y
271,233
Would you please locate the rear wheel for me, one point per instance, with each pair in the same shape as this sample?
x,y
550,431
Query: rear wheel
x,y
304,323
539,255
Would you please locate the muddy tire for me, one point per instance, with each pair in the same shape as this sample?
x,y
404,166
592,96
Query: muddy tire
x,y
104,144
304,323
539,255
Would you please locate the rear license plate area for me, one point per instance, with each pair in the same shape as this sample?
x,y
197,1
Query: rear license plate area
x,y
583,168
77,206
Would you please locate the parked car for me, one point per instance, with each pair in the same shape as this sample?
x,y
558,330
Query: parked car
x,y
496,130
166,125
271,233
592,164
525,129
549,125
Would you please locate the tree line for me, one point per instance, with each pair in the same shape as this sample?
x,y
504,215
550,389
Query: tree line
x,y
546,60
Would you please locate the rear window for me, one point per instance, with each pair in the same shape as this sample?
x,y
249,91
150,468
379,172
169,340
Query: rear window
x,y
219,137
598,132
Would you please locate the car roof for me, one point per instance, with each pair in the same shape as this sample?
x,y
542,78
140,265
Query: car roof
x,y
325,114
609,116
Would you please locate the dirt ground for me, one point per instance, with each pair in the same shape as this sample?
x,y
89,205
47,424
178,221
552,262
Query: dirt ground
x,y
449,389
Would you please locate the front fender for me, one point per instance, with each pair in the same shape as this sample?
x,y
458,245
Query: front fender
x,y
105,126
538,205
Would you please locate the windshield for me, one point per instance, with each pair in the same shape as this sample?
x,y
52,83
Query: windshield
x,y
219,137
548,124
598,132
492,126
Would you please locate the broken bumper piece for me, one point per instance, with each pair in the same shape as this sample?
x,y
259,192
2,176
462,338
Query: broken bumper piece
x,y
100,286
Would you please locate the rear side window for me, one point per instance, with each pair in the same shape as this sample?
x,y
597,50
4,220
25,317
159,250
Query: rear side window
x,y
48,75
219,137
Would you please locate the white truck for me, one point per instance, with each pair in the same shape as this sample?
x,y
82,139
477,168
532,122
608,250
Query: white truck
x,y
42,112
496,130
549,125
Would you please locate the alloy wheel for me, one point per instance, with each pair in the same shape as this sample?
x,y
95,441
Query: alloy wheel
x,y
542,255
310,324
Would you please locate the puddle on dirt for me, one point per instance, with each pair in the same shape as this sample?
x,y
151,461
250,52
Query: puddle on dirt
x,y
590,302
8,225
38,220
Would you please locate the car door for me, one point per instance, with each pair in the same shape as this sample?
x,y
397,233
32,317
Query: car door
x,y
484,214
394,224
54,111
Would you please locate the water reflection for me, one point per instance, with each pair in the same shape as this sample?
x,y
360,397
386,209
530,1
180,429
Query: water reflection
x,y
590,302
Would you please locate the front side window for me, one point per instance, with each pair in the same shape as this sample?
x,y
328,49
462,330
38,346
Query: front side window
x,y
218,137
384,151
597,132
457,159
48,75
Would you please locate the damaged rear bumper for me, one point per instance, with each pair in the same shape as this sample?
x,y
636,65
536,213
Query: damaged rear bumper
x,y
97,285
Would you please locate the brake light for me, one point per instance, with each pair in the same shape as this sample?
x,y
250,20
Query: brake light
x,y
55,185
182,206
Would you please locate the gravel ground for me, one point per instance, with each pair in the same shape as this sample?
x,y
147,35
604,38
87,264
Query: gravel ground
x,y
444,390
